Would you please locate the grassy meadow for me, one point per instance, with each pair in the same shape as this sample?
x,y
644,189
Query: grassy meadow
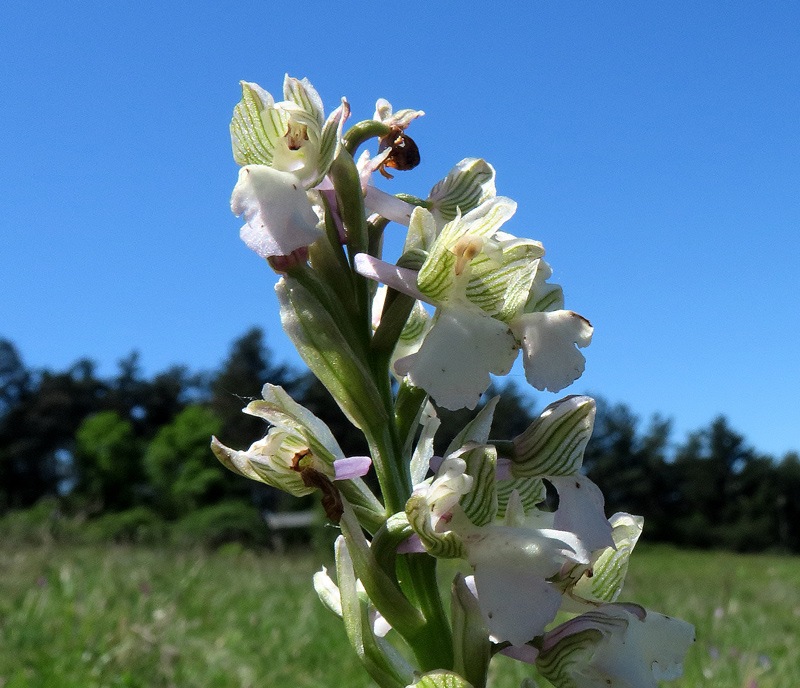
x,y
137,616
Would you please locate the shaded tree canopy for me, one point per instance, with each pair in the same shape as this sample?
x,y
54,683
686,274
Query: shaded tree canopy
x,y
135,441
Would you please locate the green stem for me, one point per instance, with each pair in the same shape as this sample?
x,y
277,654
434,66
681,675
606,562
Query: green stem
x,y
414,200
393,479
362,132
433,644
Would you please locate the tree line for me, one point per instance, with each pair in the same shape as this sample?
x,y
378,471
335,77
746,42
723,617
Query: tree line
x,y
114,445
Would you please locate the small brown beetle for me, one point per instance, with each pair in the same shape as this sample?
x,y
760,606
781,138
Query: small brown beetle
x,y
404,153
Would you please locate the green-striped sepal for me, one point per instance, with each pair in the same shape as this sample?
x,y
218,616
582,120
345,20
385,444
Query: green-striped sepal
x,y
561,663
466,186
480,503
279,409
615,645
530,492
460,242
501,276
298,441
554,443
447,545
608,571
291,135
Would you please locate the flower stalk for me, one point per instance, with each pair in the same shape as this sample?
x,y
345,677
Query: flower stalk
x,y
458,305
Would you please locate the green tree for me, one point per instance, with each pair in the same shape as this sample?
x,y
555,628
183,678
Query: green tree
x,y
630,466
107,461
240,379
38,430
788,502
178,461
712,467
166,395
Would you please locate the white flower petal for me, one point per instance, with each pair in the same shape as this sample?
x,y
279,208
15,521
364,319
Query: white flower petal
x,y
516,603
548,340
460,351
280,218
511,568
633,651
580,511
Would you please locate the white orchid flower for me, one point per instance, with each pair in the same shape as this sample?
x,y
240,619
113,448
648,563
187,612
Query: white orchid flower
x,y
297,442
285,149
621,645
480,280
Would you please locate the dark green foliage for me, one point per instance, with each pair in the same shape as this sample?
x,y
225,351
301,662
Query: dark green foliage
x,y
630,467
84,457
221,523
180,466
239,381
139,525
37,431
107,461
39,524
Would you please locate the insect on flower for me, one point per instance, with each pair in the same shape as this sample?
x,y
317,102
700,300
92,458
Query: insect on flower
x,y
404,154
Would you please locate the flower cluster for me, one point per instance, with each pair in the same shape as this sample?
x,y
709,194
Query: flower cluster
x,y
544,565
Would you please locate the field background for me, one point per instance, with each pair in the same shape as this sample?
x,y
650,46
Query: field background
x,y
137,616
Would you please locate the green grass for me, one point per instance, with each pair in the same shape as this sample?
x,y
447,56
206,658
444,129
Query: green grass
x,y
94,616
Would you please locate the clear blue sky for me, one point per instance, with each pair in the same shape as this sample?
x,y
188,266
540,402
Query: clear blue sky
x,y
654,148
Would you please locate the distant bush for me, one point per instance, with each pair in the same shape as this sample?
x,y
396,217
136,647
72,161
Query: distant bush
x,y
40,524
222,523
134,526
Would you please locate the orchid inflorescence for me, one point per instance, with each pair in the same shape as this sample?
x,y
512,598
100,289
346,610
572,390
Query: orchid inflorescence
x,y
527,528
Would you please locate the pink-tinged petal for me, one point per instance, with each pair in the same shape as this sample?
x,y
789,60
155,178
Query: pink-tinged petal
x,y
503,469
279,217
522,653
548,340
400,279
581,511
351,467
366,165
436,462
411,545
326,190
388,206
